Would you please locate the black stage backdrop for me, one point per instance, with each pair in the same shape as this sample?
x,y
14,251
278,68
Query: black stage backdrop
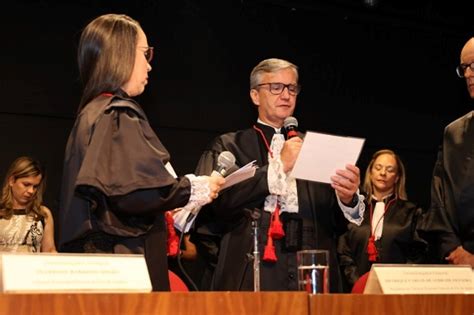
x,y
378,70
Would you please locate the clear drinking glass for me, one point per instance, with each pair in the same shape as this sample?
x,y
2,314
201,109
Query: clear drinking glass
x,y
313,270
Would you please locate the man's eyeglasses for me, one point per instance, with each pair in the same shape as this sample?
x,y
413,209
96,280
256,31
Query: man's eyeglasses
x,y
148,52
461,69
277,88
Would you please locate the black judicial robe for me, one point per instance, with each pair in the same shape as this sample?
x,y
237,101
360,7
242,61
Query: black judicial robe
x,y
451,215
320,220
400,242
115,187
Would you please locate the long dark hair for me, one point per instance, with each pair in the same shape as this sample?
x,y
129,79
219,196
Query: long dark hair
x,y
106,54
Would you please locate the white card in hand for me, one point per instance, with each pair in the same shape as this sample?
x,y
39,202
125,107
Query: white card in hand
x,y
243,173
322,154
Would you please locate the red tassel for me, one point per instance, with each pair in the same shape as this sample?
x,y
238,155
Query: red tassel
x,y
269,253
307,283
276,227
372,249
173,239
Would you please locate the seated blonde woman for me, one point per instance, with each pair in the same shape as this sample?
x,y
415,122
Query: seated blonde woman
x,y
25,224
389,232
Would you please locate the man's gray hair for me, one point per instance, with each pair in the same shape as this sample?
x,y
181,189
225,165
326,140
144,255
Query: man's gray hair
x,y
269,66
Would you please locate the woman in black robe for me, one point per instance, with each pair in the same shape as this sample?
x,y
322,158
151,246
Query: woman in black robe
x,y
389,232
117,179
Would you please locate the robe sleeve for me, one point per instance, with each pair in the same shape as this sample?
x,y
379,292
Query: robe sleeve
x,y
346,261
123,174
124,155
418,249
436,222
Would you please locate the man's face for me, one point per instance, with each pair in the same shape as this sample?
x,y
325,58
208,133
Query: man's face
x,y
273,109
467,57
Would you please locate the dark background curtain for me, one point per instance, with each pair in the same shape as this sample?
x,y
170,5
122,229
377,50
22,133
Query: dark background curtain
x,y
376,72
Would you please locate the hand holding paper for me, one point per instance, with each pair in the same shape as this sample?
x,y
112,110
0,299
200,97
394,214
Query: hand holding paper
x,y
181,215
346,182
322,155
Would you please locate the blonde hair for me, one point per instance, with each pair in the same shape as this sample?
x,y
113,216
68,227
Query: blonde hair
x,y
23,166
400,190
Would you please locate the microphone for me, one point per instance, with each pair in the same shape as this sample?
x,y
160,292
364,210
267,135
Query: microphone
x,y
291,126
225,161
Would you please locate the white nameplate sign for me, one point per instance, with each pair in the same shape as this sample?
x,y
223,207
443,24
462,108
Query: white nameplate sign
x,y
419,279
46,273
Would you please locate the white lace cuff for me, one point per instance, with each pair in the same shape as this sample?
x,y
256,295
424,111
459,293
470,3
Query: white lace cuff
x,y
282,188
200,191
276,177
289,202
356,214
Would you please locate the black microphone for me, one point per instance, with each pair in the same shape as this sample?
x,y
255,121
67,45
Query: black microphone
x,y
225,161
291,126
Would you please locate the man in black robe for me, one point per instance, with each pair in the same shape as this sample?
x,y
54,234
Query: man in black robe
x,y
451,215
311,213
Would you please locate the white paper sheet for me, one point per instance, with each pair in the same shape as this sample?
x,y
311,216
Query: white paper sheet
x,y
243,173
322,154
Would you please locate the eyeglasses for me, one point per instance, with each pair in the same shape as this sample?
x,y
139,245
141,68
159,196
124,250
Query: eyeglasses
x,y
148,52
461,69
277,88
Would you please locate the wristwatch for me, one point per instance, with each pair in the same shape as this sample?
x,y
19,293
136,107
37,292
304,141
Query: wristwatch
x,y
354,201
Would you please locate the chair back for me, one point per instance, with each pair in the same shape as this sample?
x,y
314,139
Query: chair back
x,y
176,284
359,285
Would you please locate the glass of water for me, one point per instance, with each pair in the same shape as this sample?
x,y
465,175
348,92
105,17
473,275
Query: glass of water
x,y
313,270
